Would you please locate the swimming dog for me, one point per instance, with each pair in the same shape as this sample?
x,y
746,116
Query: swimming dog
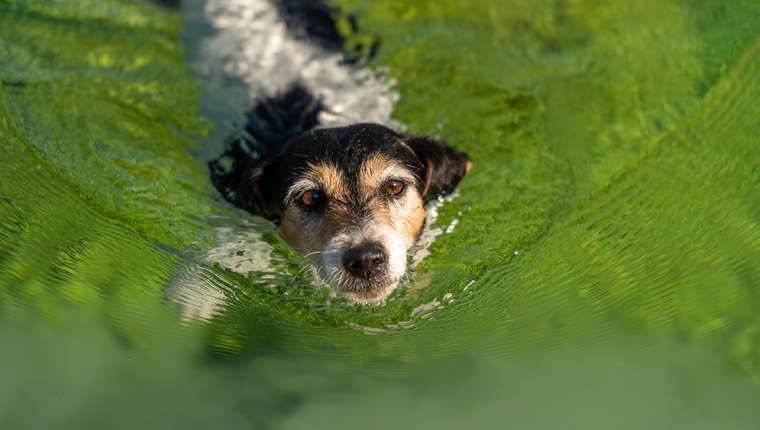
x,y
351,199
348,197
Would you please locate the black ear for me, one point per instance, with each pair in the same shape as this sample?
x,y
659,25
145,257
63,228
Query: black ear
x,y
256,188
249,185
443,166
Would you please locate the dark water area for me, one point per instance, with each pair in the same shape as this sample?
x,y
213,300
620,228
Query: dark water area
x,y
599,267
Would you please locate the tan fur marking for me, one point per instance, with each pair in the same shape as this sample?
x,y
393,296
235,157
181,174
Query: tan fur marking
x,y
330,179
406,214
292,231
307,234
409,217
373,174
378,169
428,177
310,235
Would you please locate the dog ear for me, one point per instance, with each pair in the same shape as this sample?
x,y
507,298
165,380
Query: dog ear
x,y
249,185
443,166
257,189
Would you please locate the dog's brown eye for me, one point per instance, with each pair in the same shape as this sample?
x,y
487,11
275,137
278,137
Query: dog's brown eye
x,y
394,187
311,198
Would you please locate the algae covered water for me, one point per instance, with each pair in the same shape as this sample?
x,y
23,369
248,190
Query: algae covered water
x,y
599,268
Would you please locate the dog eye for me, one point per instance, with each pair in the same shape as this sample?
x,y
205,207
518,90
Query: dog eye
x,y
311,198
394,187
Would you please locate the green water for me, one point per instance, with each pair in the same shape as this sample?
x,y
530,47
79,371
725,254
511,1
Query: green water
x,y
604,271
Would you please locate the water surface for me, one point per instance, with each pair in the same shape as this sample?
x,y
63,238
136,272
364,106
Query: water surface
x,y
603,270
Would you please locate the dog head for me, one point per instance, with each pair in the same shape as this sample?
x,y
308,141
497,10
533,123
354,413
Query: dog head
x,y
351,199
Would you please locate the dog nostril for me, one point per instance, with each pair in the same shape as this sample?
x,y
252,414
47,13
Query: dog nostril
x,y
365,261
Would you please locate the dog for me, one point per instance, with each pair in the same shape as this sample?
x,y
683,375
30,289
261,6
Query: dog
x,y
348,196
350,199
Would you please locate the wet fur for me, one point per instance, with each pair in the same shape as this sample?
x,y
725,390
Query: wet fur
x,y
349,165
282,152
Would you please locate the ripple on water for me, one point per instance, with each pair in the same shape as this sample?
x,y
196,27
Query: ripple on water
x,y
601,260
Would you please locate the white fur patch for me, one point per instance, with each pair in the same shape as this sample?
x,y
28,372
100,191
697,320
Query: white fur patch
x,y
251,43
394,246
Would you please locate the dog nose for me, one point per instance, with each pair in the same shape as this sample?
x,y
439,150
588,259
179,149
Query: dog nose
x,y
365,261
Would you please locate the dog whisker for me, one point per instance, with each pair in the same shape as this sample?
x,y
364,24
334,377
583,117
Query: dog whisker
x,y
313,253
307,266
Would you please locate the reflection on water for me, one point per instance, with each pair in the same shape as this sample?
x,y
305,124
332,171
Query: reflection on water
x,y
599,267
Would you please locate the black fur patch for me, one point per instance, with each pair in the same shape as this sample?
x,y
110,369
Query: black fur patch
x,y
314,21
270,125
444,165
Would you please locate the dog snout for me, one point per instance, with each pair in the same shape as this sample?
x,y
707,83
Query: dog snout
x,y
367,261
